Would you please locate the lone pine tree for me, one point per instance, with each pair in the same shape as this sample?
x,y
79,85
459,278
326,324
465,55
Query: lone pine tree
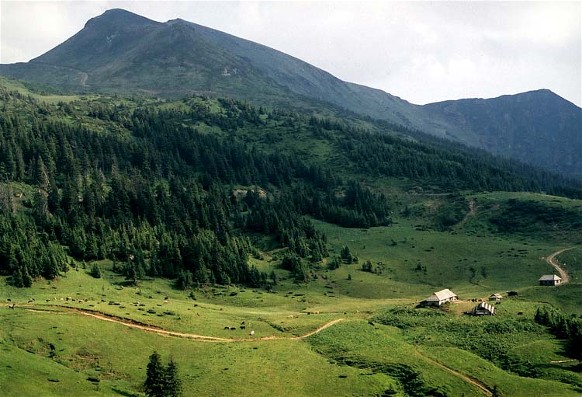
x,y
162,381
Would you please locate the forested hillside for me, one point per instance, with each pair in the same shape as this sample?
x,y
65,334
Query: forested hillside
x,y
182,189
126,54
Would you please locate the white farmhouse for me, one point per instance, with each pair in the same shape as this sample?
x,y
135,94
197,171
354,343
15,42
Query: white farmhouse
x,y
441,297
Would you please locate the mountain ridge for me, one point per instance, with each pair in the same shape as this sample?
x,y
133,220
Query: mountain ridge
x,y
120,52
516,126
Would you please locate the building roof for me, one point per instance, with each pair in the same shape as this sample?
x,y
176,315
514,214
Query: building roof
x,y
442,295
549,277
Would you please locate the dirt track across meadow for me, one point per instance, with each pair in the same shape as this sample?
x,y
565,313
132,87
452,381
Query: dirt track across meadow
x,y
157,330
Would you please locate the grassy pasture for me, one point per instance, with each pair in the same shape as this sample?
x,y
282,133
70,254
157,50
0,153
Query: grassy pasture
x,y
13,85
418,262
60,352
117,355
508,384
572,261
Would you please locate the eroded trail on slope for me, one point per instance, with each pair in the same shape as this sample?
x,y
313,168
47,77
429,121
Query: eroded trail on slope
x,y
553,261
160,331
475,382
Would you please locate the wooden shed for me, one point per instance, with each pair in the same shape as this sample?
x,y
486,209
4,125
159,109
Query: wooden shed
x,y
483,309
495,297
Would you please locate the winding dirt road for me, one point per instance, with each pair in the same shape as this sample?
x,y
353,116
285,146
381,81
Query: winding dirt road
x,y
160,331
553,261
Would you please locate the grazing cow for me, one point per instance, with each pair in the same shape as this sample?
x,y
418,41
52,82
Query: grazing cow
x,y
243,327
252,333
11,306
232,328
226,327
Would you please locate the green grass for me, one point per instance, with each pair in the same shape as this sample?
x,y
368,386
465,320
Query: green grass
x,y
17,86
572,261
472,265
381,350
508,384
117,355
26,374
352,357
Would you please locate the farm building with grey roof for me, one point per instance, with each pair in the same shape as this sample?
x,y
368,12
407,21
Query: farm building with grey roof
x,y
550,279
441,297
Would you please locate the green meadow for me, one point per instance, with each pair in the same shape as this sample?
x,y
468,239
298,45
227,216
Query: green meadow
x,y
81,336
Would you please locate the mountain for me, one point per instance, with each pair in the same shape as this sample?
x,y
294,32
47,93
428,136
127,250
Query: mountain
x,y
121,52
205,218
537,127
124,53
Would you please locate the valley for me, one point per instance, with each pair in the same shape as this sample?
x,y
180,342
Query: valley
x,y
340,325
271,230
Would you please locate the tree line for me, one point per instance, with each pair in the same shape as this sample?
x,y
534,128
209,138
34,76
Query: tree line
x,y
568,328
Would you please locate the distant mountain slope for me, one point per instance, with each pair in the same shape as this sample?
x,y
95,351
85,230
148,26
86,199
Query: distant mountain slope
x,y
537,127
120,52
124,53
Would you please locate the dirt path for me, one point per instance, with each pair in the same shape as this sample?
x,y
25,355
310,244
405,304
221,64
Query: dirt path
x,y
471,213
475,382
553,261
160,331
318,330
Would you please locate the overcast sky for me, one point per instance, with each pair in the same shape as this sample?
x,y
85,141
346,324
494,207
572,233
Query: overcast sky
x,y
420,51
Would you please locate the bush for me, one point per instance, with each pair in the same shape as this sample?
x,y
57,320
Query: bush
x,y
95,271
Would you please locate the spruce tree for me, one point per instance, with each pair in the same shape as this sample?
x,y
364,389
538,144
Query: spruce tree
x,y
156,377
173,385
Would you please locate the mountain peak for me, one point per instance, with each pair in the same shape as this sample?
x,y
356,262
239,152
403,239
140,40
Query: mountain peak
x,y
103,38
543,92
177,20
117,17
543,98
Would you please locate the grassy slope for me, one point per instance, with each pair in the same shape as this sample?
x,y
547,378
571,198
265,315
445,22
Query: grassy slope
x,y
86,347
18,86
365,356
